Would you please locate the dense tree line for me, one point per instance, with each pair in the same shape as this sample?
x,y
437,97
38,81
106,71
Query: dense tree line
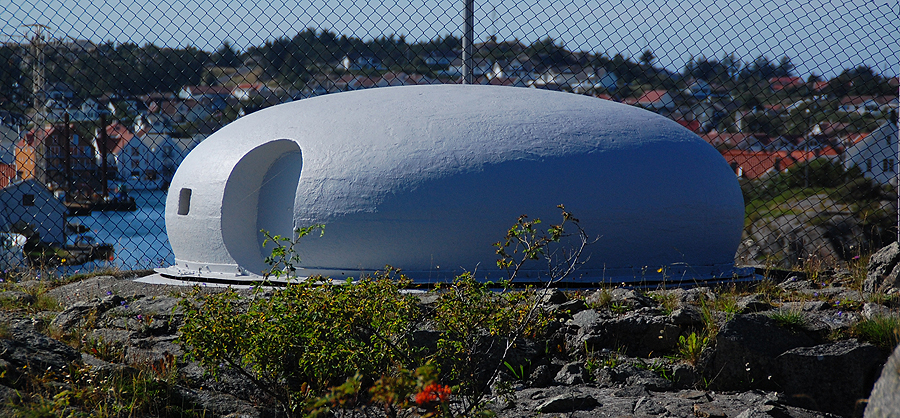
x,y
128,69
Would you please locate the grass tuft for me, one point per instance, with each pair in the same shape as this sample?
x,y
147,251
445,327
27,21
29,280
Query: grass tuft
x,y
882,331
788,318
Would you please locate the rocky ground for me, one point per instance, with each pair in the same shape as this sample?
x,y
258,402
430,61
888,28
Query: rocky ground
x,y
785,348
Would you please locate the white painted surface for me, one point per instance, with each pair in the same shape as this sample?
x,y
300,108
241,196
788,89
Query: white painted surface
x,y
876,154
427,178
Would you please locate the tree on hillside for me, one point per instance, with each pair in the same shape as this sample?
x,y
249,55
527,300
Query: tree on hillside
x,y
226,56
761,68
706,69
647,58
784,68
12,78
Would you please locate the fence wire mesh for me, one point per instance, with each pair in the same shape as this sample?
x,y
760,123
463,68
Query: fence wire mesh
x,y
100,101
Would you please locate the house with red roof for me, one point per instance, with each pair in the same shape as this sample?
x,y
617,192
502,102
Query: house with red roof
x,y
204,92
867,104
7,174
248,91
783,83
131,159
754,164
655,100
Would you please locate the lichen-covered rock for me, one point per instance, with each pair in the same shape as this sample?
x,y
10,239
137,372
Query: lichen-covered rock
x,y
79,313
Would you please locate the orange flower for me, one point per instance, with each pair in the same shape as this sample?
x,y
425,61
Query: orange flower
x,y
433,392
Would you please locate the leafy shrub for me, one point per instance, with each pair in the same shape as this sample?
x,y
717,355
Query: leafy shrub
x,y
304,338
479,327
317,344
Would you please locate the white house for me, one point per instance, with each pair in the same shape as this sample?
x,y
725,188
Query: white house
x,y
351,62
166,152
428,178
29,205
876,155
131,157
8,139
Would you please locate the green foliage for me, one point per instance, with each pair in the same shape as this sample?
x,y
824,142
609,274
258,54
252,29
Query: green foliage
x,y
101,349
788,318
478,328
316,345
691,346
881,330
87,392
304,338
711,311
606,359
602,299
40,300
525,241
668,301
399,391
284,257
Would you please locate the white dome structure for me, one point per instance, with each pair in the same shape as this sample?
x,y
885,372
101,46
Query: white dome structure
x,y
427,178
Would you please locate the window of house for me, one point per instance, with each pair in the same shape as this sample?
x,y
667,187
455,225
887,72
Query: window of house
x,y
869,165
27,200
888,165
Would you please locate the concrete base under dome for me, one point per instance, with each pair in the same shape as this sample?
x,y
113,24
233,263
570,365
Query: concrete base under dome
x,y
673,277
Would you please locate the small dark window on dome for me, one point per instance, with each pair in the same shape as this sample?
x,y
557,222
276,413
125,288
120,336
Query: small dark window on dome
x,y
184,202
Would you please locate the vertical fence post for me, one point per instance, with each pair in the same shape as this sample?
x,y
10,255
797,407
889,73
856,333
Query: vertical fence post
x,y
67,149
468,41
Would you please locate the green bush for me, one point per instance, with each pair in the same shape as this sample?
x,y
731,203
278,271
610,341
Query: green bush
x,y
318,344
304,338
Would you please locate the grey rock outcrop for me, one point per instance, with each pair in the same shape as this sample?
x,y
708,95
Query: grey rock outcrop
x,y
829,377
883,271
884,401
567,403
745,352
28,349
631,353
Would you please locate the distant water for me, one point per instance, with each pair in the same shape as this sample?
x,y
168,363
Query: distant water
x,y
139,237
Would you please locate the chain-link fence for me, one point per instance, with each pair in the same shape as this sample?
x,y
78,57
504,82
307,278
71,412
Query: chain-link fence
x,y
101,101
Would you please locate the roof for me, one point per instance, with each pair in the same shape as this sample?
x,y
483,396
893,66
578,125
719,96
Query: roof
x,y
7,173
117,136
207,91
36,136
781,83
652,96
755,164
